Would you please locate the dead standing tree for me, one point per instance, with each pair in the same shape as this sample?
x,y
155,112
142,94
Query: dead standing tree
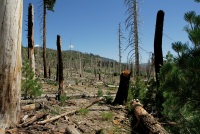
x,y
31,56
47,4
122,92
132,24
10,61
158,43
60,68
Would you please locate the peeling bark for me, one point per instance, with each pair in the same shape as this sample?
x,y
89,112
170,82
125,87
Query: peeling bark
x,y
10,61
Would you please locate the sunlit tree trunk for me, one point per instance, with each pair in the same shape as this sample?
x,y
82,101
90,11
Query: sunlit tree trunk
x,y
10,61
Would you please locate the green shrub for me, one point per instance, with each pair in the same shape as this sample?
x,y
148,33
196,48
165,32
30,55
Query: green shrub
x,y
108,116
108,98
99,93
63,98
31,86
83,111
50,82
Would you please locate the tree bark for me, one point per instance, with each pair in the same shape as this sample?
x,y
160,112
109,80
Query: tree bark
x,y
60,68
120,43
44,41
158,43
147,120
36,117
122,92
31,56
10,61
135,15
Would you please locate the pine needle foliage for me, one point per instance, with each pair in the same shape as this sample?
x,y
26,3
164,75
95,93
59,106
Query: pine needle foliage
x,y
181,91
179,79
31,86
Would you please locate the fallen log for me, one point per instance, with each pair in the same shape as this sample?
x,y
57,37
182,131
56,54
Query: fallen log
x,y
36,117
148,120
31,107
69,113
33,101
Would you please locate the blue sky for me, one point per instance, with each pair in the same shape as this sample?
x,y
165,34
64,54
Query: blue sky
x,y
91,25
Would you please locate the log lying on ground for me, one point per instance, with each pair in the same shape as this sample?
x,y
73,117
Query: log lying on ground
x,y
33,101
36,117
148,120
31,107
69,113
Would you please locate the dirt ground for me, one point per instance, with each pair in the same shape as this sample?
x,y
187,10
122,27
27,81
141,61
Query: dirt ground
x,y
98,118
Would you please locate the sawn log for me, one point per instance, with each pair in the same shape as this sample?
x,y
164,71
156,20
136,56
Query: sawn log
x,y
148,120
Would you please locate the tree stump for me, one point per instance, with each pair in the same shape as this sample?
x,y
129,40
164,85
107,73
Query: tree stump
x,y
122,92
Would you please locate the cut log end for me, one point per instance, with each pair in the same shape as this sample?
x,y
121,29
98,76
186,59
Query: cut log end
x,y
146,119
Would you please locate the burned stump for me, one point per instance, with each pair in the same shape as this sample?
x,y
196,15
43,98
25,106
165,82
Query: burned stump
x,y
122,92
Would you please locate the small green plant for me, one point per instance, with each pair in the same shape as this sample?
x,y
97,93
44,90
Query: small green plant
x,y
99,93
108,116
116,129
83,111
50,82
108,98
63,98
31,86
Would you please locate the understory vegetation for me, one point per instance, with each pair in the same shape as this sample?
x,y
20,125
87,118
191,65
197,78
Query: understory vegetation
x,y
176,99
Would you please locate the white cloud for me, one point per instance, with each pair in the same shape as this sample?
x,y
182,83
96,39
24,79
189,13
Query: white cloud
x,y
37,45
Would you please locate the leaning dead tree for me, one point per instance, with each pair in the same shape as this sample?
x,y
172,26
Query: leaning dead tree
x,y
146,122
10,61
31,56
60,68
158,43
122,92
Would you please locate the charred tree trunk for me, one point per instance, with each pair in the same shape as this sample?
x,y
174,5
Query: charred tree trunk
x,y
31,56
44,41
122,92
60,67
99,74
158,43
144,122
57,72
10,61
49,73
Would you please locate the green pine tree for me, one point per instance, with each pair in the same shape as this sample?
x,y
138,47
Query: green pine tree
x,y
31,87
179,81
